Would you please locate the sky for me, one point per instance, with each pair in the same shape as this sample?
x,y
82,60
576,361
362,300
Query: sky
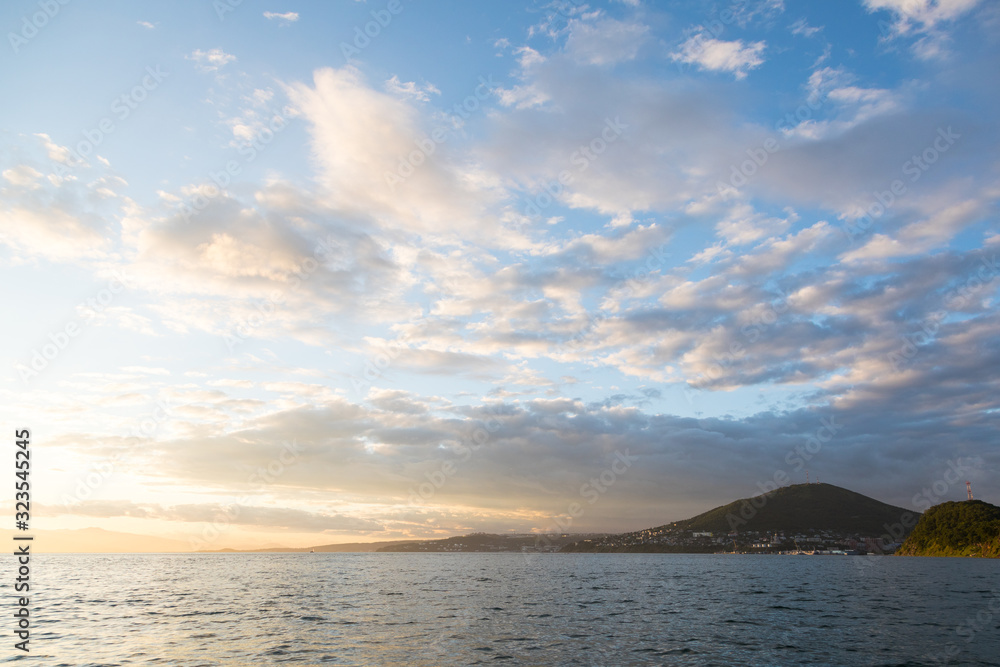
x,y
299,273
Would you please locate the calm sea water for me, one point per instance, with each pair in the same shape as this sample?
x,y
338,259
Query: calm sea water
x,y
485,609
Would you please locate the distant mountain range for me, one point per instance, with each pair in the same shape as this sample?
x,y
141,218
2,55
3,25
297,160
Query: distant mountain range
x,y
98,540
801,516
492,543
475,542
811,510
352,547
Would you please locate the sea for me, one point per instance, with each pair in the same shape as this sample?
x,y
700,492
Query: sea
x,y
508,609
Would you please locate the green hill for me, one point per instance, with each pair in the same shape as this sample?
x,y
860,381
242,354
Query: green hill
x,y
802,507
967,528
820,513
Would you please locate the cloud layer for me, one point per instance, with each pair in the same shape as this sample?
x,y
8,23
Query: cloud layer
x,y
703,243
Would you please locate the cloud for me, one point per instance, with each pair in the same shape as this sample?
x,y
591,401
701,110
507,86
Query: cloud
x,y
928,20
298,261
921,15
846,106
411,89
211,60
689,140
367,148
802,27
145,370
58,206
286,18
283,518
22,175
147,25
570,260
606,41
721,56
536,453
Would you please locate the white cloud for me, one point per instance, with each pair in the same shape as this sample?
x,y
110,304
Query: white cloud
x,y
360,139
825,79
145,370
22,175
802,27
252,120
54,232
848,105
411,89
55,152
528,95
59,209
927,19
710,254
211,60
721,56
921,15
522,97
286,18
743,225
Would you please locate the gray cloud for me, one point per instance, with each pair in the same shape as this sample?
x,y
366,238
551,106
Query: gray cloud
x,y
262,517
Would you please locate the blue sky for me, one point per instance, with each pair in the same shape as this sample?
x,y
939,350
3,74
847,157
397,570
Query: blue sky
x,y
693,232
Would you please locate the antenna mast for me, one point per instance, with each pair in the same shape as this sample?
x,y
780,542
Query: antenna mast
x,y
968,487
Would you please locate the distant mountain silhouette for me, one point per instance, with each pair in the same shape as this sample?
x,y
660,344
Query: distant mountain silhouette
x,y
802,507
322,548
